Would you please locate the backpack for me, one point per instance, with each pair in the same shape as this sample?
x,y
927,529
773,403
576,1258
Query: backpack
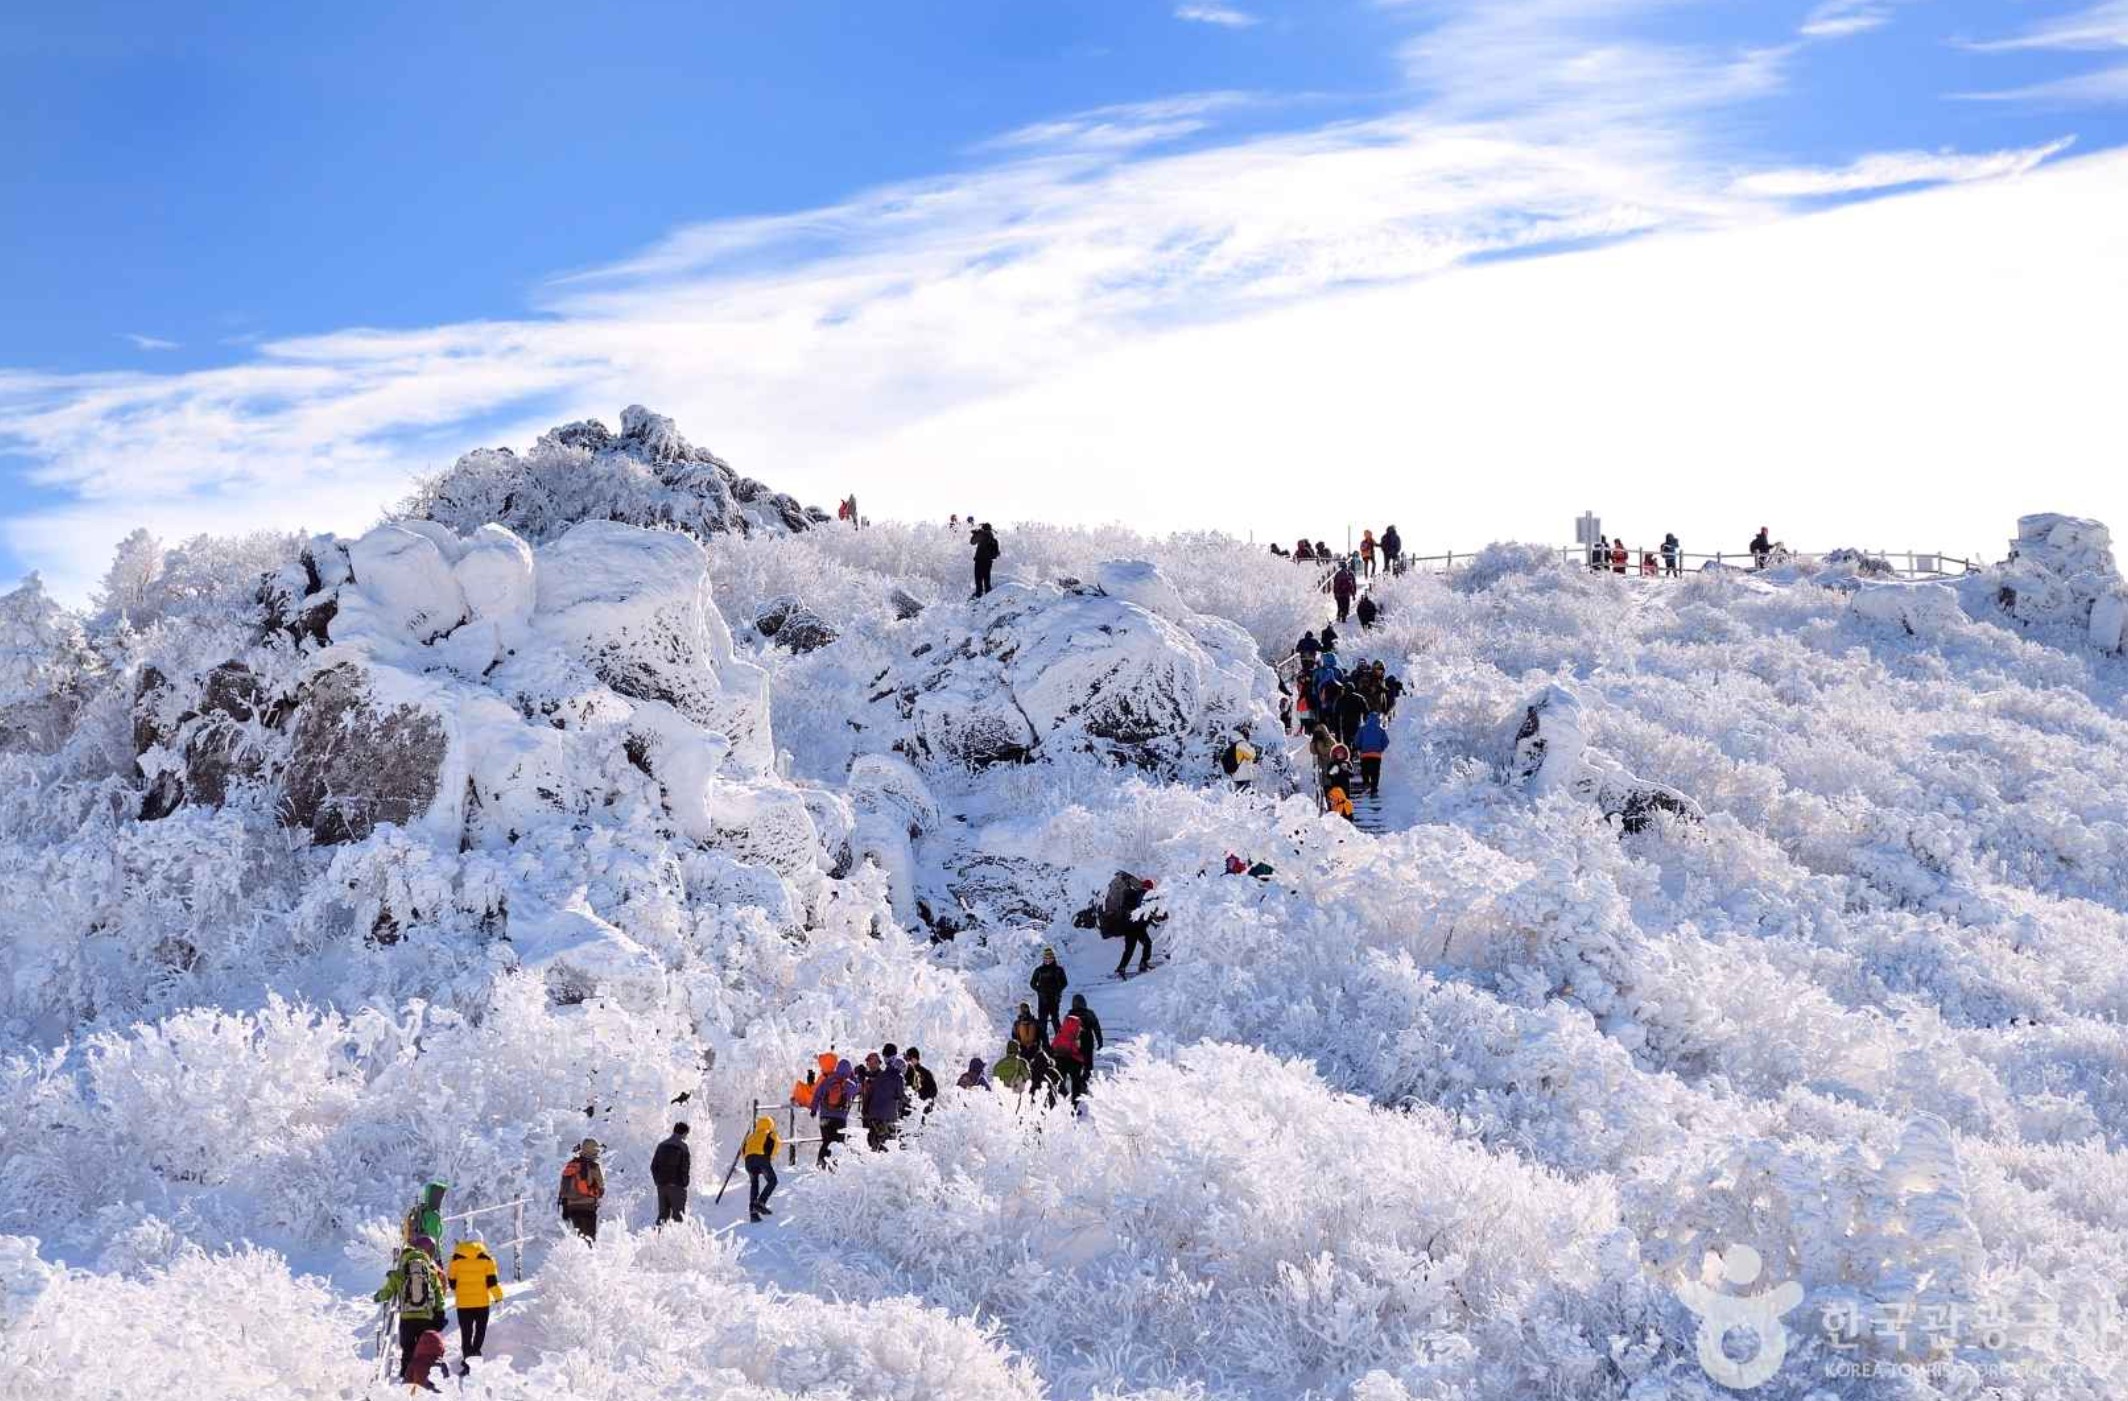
x,y
1028,1032
1066,1041
576,1186
837,1097
1230,759
417,1295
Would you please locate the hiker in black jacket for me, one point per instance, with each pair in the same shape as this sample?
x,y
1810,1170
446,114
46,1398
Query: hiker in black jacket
x,y
986,553
1049,982
671,1167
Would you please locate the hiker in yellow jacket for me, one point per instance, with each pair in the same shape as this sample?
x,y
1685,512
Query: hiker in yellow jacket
x,y
759,1150
476,1286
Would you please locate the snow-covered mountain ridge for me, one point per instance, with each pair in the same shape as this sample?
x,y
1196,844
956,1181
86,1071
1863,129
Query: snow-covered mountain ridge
x,y
455,840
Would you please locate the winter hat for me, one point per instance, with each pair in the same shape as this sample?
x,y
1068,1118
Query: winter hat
x,y
589,1148
1150,882
843,1067
975,1065
1078,1002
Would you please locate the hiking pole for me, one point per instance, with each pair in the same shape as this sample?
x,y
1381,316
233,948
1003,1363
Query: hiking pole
x,y
728,1172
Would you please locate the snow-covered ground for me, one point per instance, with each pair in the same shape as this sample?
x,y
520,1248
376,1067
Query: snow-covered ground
x,y
1782,911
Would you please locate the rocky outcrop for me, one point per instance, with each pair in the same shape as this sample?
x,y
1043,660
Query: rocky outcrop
x,y
645,475
356,760
789,624
2060,577
1117,666
1549,753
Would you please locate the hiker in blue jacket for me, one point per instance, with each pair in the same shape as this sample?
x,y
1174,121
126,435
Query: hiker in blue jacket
x,y
1373,743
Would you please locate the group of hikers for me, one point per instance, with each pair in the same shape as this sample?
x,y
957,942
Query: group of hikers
x,y
1345,716
1387,553
422,1284
1609,556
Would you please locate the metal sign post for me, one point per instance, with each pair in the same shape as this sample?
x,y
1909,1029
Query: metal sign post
x,y
1588,528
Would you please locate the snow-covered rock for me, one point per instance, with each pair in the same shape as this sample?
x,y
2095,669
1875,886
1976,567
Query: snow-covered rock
x,y
647,475
2060,575
1549,752
1923,609
1120,667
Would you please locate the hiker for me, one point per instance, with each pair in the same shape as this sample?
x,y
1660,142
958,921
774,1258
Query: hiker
x,y
671,1168
759,1150
1238,761
583,1184
884,1098
1049,982
414,1288
1600,554
1011,1070
856,521
1342,587
1027,1036
1338,772
1123,912
922,1083
1307,649
831,1106
476,1287
1618,555
1368,610
1339,803
425,1216
1392,551
1761,548
1075,1044
973,1077
1304,550
1328,637
1285,707
1367,553
1320,744
986,554
1352,710
1670,552
1373,744
1392,692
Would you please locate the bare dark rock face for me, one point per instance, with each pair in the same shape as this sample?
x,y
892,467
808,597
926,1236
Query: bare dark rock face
x,y
354,763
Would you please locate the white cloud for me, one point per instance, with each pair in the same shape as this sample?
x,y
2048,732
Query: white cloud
x,y
141,342
2102,26
1891,169
800,345
1223,15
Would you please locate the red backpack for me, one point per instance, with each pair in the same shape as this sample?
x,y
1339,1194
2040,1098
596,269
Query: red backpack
x,y
1066,1041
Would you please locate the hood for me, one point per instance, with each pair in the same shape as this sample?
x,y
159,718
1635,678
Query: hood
x,y
764,1124
469,1250
432,1194
975,1065
1078,1002
830,1063
843,1067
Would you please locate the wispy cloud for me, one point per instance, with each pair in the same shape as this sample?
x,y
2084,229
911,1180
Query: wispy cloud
x,y
1837,19
2100,28
1893,169
791,341
141,342
1226,16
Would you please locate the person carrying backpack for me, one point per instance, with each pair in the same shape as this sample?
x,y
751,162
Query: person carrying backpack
x,y
1027,1035
973,1077
425,1216
759,1150
832,1099
1368,610
1244,771
1123,917
986,554
1075,1043
671,1169
1049,982
583,1185
1761,549
1373,743
1342,587
1329,637
414,1288
1392,551
476,1287
1307,649
1011,1069
1351,714
1671,550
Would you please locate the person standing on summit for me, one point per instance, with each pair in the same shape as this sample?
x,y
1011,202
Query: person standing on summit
x,y
986,554
1049,982
1392,551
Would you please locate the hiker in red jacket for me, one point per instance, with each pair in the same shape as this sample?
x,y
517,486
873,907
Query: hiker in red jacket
x,y
1075,1043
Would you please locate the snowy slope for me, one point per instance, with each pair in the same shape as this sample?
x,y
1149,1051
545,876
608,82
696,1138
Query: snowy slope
x,y
453,842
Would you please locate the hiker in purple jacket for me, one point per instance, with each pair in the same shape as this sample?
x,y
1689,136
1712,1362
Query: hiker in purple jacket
x,y
832,1099
885,1099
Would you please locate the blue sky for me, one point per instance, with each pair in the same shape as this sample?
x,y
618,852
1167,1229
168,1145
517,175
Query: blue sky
x,y
260,264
